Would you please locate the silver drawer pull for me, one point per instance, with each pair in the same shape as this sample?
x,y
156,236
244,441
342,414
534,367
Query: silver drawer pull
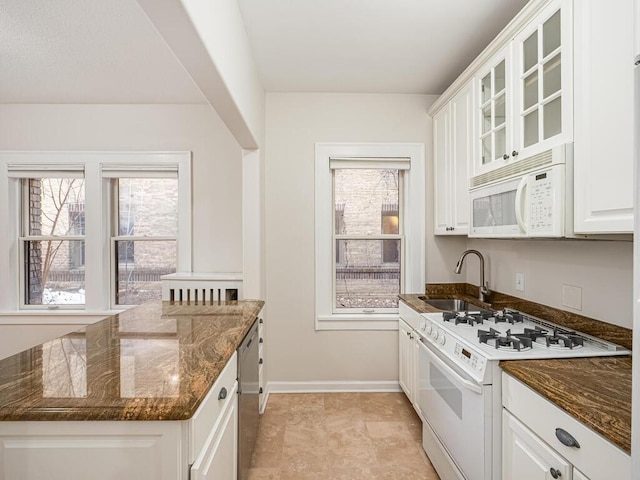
x,y
223,394
566,438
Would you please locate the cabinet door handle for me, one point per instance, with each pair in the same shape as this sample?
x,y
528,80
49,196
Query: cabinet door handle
x,y
261,340
260,390
505,156
566,438
260,362
514,153
555,473
223,394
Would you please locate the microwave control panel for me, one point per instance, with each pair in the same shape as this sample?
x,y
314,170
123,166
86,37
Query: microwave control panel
x,y
540,196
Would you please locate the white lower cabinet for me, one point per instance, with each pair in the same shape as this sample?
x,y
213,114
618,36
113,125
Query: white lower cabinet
x,y
526,456
218,458
539,436
205,446
407,361
408,352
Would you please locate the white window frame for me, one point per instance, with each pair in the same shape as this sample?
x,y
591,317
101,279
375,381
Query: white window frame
x,y
98,285
413,254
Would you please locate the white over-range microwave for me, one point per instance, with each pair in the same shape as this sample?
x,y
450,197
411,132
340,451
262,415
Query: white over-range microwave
x,y
530,198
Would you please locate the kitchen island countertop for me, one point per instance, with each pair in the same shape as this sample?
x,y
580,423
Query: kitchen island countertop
x,y
153,362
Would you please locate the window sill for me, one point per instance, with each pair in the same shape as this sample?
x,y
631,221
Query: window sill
x,y
358,322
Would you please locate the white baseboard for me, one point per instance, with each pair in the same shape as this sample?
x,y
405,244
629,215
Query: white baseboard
x,y
332,387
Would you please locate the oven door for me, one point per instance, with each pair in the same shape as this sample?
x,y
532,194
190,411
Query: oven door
x,y
458,410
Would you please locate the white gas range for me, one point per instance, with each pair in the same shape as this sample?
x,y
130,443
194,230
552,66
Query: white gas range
x,y
459,390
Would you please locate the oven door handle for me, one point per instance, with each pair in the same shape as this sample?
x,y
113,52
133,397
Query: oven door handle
x,y
468,384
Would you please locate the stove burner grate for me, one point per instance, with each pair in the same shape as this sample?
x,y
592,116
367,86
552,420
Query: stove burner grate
x,y
517,342
465,318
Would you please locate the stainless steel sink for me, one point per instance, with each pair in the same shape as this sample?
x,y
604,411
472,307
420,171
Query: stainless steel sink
x,y
453,304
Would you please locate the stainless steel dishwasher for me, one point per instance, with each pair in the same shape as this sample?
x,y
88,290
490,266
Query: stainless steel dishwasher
x,y
248,400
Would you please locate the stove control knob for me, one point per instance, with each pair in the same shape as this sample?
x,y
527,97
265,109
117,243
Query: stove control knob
x,y
428,328
441,339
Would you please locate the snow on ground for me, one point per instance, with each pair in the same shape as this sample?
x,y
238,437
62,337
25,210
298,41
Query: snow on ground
x,y
52,297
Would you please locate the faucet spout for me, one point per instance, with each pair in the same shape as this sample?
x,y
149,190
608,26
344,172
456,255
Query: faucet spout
x,y
484,287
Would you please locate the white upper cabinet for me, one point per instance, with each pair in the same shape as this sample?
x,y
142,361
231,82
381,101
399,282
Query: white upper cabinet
x,y
523,93
603,87
453,150
543,60
493,110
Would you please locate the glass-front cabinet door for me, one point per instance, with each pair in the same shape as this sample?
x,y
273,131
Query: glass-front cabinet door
x,y
494,126
543,58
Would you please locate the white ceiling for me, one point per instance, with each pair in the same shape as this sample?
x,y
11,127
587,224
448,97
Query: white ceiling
x,y
107,51
86,51
377,46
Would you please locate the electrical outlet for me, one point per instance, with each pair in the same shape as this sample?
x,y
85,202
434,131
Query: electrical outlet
x,y
520,282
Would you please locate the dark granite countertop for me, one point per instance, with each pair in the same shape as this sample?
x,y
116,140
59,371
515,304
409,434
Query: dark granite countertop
x,y
596,391
153,362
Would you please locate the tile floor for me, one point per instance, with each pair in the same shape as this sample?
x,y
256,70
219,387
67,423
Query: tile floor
x,y
338,436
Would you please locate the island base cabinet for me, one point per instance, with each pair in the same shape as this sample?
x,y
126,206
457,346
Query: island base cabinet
x,y
525,456
82,450
218,460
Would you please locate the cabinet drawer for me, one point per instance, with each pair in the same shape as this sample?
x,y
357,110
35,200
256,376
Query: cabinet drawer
x,y
596,457
209,411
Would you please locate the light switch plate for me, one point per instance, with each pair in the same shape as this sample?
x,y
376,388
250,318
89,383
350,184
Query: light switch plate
x,y
572,296
520,282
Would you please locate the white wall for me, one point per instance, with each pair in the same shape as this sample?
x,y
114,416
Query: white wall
x,y
294,122
216,167
602,269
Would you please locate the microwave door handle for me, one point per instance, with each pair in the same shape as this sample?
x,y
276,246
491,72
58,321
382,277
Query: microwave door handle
x,y
520,205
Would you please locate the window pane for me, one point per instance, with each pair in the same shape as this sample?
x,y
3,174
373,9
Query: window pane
x,y
501,143
531,128
552,78
369,277
148,207
486,88
530,51
500,111
486,119
56,206
138,280
551,34
363,194
54,272
530,90
500,76
486,149
553,118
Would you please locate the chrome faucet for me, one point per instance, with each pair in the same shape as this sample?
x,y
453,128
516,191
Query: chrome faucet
x,y
484,288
